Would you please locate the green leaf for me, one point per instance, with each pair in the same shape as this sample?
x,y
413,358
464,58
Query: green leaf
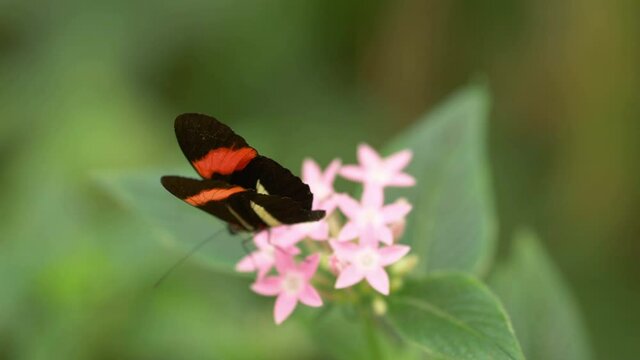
x,y
453,316
176,223
453,223
349,333
545,316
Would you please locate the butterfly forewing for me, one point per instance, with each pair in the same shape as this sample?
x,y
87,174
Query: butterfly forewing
x,y
211,147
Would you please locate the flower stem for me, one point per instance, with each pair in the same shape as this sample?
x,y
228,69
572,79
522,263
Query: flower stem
x,y
372,336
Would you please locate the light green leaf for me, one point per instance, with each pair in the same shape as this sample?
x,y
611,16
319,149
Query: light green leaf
x,y
544,313
453,316
173,221
453,223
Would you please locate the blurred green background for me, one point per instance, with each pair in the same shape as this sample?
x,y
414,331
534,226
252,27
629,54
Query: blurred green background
x,y
87,88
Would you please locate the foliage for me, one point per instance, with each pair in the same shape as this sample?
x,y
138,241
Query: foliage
x,y
449,315
454,317
453,224
543,311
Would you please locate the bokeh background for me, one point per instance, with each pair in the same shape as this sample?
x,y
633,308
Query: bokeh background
x,y
91,87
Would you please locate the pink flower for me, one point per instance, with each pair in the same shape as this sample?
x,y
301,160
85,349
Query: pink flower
x,y
398,228
286,236
263,259
379,172
292,284
367,261
317,230
370,219
335,264
321,183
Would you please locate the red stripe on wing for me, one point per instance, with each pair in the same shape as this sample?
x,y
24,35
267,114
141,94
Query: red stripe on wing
x,y
224,161
212,195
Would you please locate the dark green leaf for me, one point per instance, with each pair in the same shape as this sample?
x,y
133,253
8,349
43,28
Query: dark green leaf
x,y
348,333
544,313
453,316
452,226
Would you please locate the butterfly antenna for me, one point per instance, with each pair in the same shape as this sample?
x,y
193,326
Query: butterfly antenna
x,y
186,256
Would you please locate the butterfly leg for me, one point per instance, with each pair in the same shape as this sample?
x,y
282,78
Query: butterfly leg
x,y
247,250
245,245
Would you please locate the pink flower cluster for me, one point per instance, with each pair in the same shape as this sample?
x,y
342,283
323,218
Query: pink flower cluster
x,y
354,247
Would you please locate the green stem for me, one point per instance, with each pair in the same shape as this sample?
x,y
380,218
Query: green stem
x,y
372,336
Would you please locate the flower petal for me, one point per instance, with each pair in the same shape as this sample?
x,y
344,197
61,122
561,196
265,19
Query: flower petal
x,y
344,250
329,204
285,235
349,231
335,264
310,297
330,173
311,171
398,161
285,304
261,239
320,231
397,228
353,173
385,235
268,237
260,261
379,280
283,260
368,236
367,156
349,206
246,264
401,180
309,266
396,211
373,195
391,254
349,276
267,286
292,250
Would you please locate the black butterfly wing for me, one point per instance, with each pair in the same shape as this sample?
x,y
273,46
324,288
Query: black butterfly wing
x,y
212,148
240,207
212,196
270,178
248,191
276,210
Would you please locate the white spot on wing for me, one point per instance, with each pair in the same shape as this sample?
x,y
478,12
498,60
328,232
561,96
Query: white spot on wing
x,y
264,215
260,188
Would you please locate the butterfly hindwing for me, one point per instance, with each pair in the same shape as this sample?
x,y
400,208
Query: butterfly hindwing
x,y
275,210
211,196
270,178
211,147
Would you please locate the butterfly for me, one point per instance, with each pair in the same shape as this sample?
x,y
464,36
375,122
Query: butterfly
x,y
249,191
